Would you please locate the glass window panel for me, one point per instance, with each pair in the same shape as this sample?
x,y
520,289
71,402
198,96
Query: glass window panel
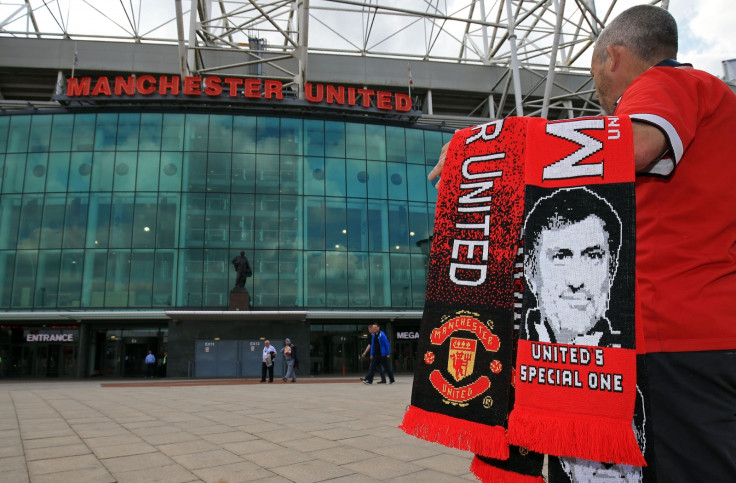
x,y
141,278
336,225
98,220
9,221
314,279
375,136
419,266
268,135
221,133
61,132
289,216
244,173
399,232
151,127
291,136
314,176
121,229
70,278
75,221
218,172
265,264
24,278
215,279
196,132
419,233
355,140
7,267
395,144
289,291
217,220
189,294
171,170
93,285
446,137
359,279
40,136
4,124
36,168
15,168
148,170
267,173
335,139
290,174
242,224
314,141
106,130
128,131
58,172
336,279
29,224
2,169
377,183
194,172
431,192
103,169
167,220
357,178
400,280
20,127
415,146
191,229
266,224
172,133
80,172
335,177
357,224
126,165
417,176
117,281
378,226
48,278
314,223
397,181
52,224
164,275
244,134
144,220
432,146
380,280
84,132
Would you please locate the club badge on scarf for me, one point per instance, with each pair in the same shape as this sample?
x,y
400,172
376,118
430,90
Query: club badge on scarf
x,y
461,389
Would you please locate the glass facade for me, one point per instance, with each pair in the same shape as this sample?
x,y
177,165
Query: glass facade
x,y
146,210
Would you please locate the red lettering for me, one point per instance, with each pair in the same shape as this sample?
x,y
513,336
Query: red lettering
x,y
125,84
212,86
75,87
314,97
403,102
165,84
351,96
335,94
232,83
273,88
253,88
366,93
146,84
102,87
192,86
383,100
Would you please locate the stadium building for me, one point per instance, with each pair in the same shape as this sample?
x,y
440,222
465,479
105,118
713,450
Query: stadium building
x,y
142,149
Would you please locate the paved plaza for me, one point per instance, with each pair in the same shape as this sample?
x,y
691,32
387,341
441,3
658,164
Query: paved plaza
x,y
220,431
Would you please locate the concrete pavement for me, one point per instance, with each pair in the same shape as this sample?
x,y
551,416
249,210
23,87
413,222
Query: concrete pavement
x,y
216,431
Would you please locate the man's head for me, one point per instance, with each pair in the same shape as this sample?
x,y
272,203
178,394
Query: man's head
x,y
637,39
571,240
268,343
287,341
242,254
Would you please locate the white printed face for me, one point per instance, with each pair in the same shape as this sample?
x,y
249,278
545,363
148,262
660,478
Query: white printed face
x,y
572,280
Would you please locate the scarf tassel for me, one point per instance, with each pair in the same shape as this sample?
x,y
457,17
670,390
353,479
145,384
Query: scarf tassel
x,y
581,436
489,441
488,473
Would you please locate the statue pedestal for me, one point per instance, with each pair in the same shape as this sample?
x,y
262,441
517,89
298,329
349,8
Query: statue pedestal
x,y
239,299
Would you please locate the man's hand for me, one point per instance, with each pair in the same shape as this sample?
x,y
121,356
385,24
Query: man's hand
x,y
437,170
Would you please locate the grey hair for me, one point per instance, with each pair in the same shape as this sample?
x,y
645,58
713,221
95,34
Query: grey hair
x,y
649,32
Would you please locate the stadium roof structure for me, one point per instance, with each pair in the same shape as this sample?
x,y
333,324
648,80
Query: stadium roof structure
x,y
461,61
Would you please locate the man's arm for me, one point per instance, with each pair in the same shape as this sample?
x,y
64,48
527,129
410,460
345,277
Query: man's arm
x,y
649,144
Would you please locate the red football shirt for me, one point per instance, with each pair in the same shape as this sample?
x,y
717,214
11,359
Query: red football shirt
x,y
686,211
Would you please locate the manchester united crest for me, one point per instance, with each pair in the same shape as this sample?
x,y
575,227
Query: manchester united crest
x,y
461,360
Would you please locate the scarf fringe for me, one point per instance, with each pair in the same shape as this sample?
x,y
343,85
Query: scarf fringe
x,y
580,436
488,441
489,473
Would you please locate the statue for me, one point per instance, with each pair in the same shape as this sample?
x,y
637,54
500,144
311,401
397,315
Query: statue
x,y
242,268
